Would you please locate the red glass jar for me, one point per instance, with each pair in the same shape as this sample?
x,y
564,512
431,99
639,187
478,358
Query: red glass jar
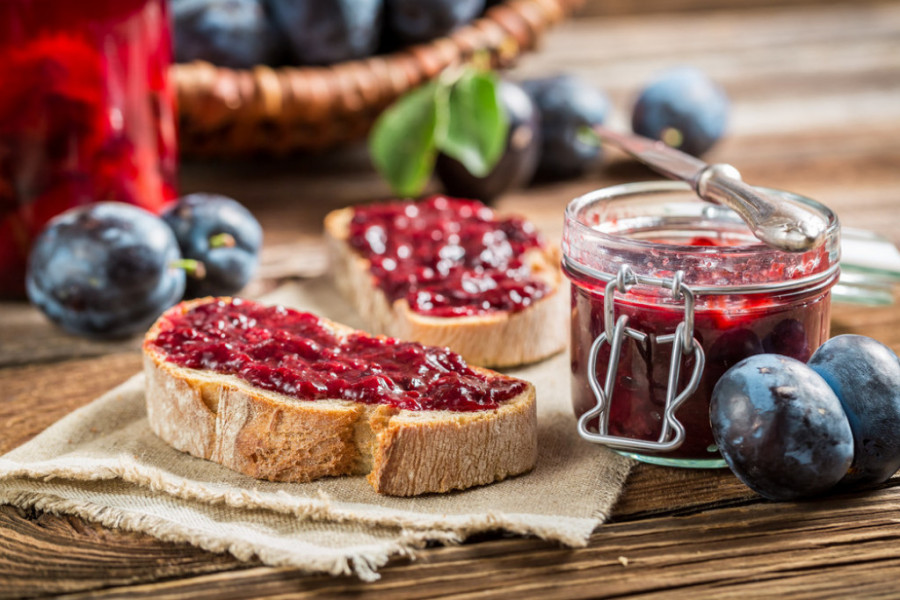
x,y
664,257
86,114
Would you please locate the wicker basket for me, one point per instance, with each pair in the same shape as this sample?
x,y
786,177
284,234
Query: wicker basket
x,y
265,110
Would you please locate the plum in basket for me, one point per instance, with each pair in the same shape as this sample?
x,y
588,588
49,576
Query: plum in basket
x,y
414,21
229,33
323,32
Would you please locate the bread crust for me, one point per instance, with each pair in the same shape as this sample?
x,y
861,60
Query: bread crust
x,y
271,436
500,339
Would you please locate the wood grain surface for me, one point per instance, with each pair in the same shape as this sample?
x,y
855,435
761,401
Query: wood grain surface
x,y
816,110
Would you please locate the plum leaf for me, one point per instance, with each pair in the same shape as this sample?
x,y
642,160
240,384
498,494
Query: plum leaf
x,y
404,139
459,114
477,124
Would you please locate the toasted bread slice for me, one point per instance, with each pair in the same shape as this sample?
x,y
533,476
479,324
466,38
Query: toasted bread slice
x,y
269,435
495,339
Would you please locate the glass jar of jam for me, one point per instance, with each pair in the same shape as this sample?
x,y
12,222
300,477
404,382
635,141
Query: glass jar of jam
x,y
86,114
668,292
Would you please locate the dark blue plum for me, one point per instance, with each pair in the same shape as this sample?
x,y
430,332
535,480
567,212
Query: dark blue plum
x,y
684,108
788,338
414,21
517,165
220,233
229,33
729,349
105,270
865,376
567,105
780,427
323,32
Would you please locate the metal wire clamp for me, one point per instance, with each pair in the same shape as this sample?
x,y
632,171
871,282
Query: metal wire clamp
x,y
615,331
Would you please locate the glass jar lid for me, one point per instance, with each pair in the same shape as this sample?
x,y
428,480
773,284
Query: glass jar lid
x,y
658,228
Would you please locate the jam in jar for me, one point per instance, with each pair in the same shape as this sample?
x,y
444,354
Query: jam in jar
x,y
666,257
87,114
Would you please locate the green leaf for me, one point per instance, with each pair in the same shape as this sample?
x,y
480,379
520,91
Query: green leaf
x,y
477,125
404,139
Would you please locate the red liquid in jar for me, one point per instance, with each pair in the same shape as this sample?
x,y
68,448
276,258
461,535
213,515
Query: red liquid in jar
x,y
86,114
293,353
448,257
730,328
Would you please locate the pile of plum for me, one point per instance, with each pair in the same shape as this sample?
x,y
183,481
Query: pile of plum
x,y
550,122
243,33
790,429
547,117
108,269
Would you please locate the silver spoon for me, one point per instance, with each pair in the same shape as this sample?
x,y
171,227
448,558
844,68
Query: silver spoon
x,y
779,224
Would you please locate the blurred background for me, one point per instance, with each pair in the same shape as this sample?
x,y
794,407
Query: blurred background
x,y
277,104
815,108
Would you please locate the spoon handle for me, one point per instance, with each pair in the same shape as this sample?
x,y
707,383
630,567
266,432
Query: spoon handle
x,y
779,224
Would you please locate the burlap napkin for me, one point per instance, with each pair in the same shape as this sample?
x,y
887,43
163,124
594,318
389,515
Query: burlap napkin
x,y
103,463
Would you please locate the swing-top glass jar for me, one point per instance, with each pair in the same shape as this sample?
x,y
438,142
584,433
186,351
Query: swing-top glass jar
x,y
668,292
87,114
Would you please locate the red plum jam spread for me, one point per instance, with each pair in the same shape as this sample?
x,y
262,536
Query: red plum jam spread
x,y
448,257
296,354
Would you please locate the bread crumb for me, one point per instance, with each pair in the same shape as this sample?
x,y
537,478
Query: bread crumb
x,y
624,561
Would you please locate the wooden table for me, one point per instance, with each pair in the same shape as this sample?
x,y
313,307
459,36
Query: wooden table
x,y
816,91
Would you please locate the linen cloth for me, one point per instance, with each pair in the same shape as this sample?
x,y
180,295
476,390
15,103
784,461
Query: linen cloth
x,y
103,463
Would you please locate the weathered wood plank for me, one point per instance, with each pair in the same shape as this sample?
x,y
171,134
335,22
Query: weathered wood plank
x,y
794,550
28,337
36,396
48,554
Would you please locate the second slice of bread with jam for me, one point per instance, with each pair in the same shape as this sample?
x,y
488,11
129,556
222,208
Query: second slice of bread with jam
x,y
450,272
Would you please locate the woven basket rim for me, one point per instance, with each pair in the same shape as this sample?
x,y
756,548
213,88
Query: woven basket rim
x,y
277,110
